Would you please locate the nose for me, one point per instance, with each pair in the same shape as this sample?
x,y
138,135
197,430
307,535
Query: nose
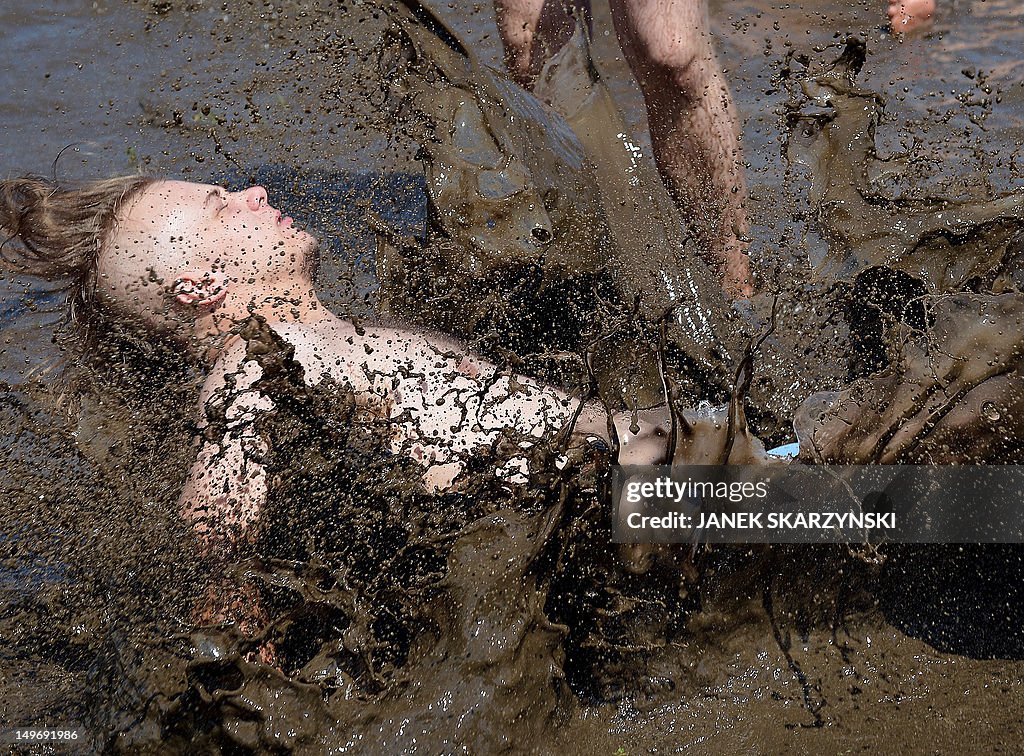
x,y
255,197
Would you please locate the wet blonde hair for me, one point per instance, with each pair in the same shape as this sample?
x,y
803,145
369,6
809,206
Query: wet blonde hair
x,y
56,231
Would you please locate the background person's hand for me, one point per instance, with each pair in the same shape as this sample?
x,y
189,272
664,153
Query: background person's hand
x,y
908,15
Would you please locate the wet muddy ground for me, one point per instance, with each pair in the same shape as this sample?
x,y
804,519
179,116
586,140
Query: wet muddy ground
x,y
770,651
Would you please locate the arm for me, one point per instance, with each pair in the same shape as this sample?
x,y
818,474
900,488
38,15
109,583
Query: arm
x,y
226,485
445,403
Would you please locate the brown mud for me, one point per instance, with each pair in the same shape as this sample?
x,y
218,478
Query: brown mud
x,y
499,618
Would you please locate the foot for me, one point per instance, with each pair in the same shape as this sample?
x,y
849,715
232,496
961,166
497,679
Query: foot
x,y
908,15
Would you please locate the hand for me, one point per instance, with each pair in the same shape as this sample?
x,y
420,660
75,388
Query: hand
x,y
644,436
227,602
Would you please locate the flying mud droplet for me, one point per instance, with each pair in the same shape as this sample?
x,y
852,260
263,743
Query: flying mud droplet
x,y
991,411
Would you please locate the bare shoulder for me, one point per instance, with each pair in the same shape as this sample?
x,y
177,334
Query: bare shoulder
x,y
420,351
327,350
231,385
367,359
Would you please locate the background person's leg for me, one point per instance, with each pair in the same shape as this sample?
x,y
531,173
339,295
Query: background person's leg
x,y
693,124
532,31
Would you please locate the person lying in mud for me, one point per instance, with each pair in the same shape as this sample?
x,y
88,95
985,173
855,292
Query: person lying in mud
x,y
195,263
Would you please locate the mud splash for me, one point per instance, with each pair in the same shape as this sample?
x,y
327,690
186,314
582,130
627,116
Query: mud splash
x,y
952,396
396,615
497,620
539,193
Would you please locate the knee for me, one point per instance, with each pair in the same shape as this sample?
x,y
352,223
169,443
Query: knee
x,y
683,61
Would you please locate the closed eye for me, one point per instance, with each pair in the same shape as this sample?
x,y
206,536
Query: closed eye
x,y
217,198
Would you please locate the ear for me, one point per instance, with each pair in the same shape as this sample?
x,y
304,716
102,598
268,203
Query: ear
x,y
200,288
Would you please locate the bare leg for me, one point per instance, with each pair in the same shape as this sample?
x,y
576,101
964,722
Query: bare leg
x,y
531,32
693,122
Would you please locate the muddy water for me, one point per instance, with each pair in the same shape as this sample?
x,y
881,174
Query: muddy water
x,y
558,648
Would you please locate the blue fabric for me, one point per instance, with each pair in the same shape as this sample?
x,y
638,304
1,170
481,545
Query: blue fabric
x,y
786,450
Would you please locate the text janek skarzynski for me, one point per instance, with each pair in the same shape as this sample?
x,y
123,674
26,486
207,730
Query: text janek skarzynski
x,y
764,520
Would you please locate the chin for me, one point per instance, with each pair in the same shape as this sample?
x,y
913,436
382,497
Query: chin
x,y
305,240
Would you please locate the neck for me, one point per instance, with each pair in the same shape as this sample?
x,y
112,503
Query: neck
x,y
214,331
